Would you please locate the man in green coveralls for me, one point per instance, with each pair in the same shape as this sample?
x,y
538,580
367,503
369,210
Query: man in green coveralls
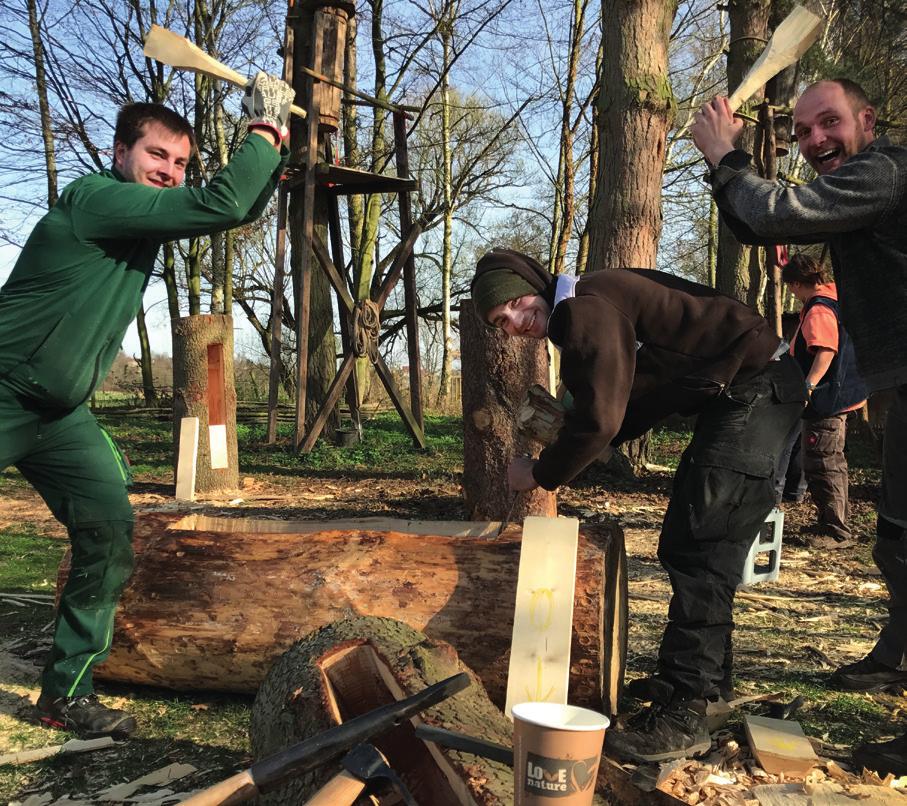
x,y
64,310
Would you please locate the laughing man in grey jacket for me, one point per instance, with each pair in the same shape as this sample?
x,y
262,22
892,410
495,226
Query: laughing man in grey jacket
x,y
857,205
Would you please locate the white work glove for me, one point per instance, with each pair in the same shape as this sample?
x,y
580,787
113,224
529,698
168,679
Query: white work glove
x,y
267,104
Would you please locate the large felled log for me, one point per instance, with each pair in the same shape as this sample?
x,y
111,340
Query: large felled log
x,y
214,601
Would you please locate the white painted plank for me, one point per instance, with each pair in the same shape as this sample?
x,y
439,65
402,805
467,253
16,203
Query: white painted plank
x,y
543,617
186,461
217,441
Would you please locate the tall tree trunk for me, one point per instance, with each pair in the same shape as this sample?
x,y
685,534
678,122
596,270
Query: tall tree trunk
x,y
322,348
637,109
739,270
145,359
351,150
221,242
497,372
566,166
446,31
169,275
582,257
47,132
712,244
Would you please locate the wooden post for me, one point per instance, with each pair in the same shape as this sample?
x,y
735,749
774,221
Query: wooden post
x,y
277,292
410,293
496,372
303,281
336,236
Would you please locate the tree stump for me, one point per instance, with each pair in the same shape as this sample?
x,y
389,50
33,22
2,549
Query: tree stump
x,y
213,601
352,666
496,372
204,387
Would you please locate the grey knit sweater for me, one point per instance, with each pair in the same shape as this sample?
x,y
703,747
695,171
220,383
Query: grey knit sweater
x,y
860,210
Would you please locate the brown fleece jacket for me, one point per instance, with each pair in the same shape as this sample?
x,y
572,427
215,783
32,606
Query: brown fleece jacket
x,y
694,343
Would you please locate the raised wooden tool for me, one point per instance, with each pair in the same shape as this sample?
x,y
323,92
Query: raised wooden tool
x,y
177,51
791,39
540,651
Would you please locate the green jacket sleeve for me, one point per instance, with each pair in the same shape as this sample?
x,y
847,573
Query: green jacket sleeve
x,y
262,201
105,209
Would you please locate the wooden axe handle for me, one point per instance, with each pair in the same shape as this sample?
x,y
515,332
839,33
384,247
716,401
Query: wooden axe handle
x,y
341,790
237,789
791,39
177,51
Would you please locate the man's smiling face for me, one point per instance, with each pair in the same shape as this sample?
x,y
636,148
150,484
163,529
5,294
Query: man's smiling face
x,y
524,316
157,159
831,127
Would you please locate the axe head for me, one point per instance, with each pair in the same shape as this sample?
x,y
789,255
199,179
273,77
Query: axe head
x,y
368,764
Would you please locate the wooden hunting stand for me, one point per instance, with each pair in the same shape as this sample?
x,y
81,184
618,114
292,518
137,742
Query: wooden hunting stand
x,y
313,64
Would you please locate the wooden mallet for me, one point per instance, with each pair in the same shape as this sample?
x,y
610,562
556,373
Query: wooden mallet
x,y
791,39
177,51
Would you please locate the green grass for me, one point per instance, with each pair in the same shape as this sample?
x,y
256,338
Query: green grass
x,y
28,561
386,448
667,443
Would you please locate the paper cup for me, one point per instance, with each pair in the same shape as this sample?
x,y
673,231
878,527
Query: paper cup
x,y
556,750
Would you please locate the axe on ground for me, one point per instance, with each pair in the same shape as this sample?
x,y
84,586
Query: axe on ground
x,y
177,51
271,772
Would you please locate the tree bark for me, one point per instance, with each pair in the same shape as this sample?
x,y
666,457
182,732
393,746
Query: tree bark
x,y
145,359
322,346
363,663
446,34
636,109
739,271
210,608
202,353
47,132
496,374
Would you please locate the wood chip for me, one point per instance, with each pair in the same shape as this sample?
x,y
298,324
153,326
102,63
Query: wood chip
x,y
164,775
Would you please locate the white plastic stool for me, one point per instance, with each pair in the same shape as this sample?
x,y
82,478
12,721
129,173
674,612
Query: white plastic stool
x,y
763,562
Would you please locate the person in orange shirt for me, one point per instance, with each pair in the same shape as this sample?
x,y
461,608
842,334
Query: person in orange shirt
x,y
822,349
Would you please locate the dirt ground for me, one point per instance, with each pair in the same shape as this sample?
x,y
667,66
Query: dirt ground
x,y
825,609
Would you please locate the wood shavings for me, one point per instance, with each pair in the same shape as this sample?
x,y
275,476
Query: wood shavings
x,y
164,775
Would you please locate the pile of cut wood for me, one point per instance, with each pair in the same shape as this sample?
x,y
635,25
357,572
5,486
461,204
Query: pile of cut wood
x,y
732,776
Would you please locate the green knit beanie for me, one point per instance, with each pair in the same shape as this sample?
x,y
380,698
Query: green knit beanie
x,y
496,287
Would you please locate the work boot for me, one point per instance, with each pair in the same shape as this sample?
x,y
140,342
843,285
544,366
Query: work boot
x,y
84,716
883,757
867,675
657,689
662,732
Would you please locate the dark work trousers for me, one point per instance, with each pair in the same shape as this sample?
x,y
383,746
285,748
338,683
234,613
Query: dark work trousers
x,y
723,490
790,481
81,476
890,551
826,472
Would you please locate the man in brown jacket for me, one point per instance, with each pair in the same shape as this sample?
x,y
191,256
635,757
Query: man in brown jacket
x,y
637,345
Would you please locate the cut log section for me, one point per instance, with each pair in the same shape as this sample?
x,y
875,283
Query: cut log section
x,y
355,665
213,602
